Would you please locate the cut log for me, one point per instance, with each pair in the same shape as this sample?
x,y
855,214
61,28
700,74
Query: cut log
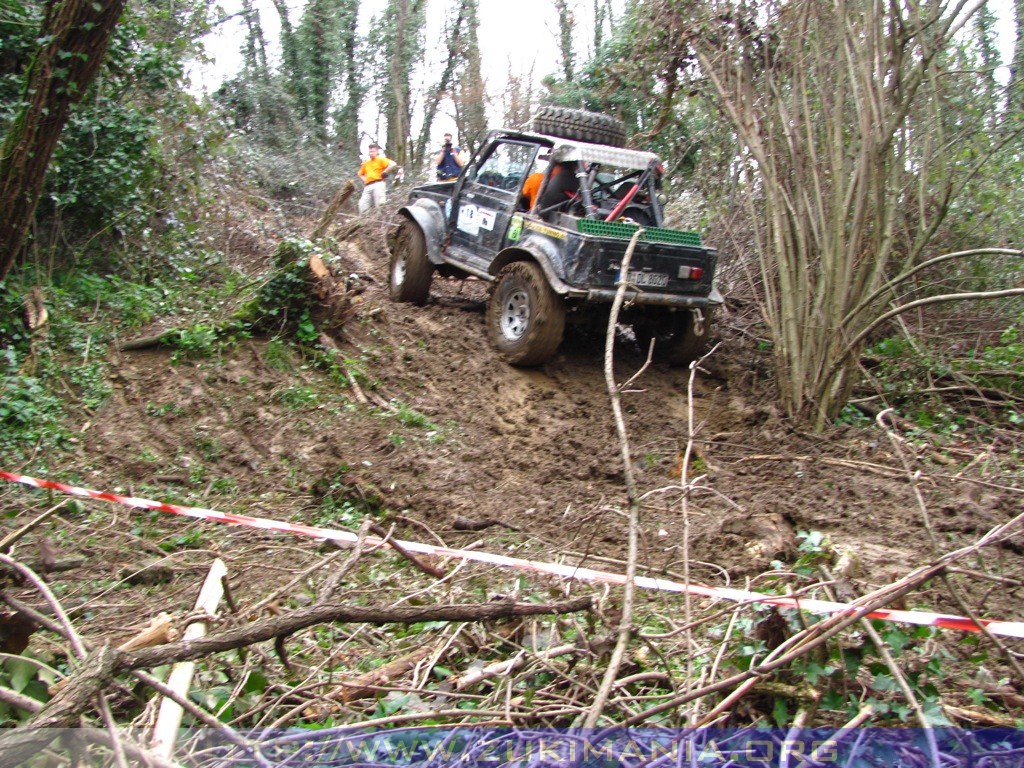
x,y
160,630
169,717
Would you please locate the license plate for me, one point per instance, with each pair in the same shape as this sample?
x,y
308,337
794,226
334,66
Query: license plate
x,y
648,279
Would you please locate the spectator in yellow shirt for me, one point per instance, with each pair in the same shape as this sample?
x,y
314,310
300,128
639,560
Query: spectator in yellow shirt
x,y
373,172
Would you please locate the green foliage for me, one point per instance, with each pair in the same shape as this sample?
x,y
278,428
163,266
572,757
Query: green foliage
x,y
398,45
928,384
815,549
17,45
296,397
409,417
317,90
195,340
227,698
326,30
283,301
636,76
115,171
29,413
853,416
279,355
345,501
261,108
190,540
29,677
51,381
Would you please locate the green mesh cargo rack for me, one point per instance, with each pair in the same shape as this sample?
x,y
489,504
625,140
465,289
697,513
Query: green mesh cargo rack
x,y
623,230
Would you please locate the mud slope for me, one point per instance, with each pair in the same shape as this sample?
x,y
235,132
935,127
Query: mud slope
x,y
452,436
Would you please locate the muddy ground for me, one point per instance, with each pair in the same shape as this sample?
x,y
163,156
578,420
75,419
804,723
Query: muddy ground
x,y
449,435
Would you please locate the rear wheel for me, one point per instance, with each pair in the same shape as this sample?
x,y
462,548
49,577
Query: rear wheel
x,y
525,318
678,338
411,271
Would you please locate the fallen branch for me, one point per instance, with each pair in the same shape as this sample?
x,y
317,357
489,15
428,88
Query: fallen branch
x,y
327,217
366,685
801,643
78,692
474,676
73,696
268,629
461,523
427,568
12,538
850,463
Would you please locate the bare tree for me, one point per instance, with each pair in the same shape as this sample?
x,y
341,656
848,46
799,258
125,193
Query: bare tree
x,y
471,93
1015,103
566,26
403,47
844,114
456,53
74,39
518,99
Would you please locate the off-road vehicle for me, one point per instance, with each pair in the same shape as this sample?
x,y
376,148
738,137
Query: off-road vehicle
x,y
559,258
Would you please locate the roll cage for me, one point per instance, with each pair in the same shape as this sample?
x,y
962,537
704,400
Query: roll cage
x,y
613,182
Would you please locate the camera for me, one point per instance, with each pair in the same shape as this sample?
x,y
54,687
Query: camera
x,y
448,146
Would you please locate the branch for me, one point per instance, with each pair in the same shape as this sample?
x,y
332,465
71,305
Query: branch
x,y
625,622
944,298
282,626
901,278
817,634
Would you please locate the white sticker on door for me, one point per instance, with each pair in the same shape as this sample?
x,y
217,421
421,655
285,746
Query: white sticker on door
x,y
469,220
486,218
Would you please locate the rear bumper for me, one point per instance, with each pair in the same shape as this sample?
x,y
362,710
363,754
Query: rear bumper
x,y
650,298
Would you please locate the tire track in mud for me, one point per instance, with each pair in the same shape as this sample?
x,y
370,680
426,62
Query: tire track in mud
x,y
537,447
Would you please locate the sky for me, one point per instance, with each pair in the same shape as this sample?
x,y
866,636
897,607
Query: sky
x,y
519,36
515,35
522,33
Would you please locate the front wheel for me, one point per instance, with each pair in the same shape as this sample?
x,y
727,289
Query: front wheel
x,y
411,271
525,317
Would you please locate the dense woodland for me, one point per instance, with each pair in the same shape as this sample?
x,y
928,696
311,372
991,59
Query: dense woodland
x,y
858,165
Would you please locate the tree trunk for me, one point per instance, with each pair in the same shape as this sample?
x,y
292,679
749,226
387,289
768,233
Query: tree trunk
x,y
290,66
455,52
255,42
854,167
566,24
1015,102
76,34
355,86
318,66
471,97
405,18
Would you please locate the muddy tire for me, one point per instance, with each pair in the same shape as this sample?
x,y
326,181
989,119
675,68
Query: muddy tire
x,y
580,125
676,340
525,318
410,272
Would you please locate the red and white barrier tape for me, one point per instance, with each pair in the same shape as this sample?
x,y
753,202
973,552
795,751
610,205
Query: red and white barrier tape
x,y
923,618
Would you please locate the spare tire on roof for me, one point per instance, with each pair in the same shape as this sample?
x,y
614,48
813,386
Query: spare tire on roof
x,y
580,125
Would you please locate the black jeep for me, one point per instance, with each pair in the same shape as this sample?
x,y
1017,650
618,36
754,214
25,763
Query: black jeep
x,y
556,254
